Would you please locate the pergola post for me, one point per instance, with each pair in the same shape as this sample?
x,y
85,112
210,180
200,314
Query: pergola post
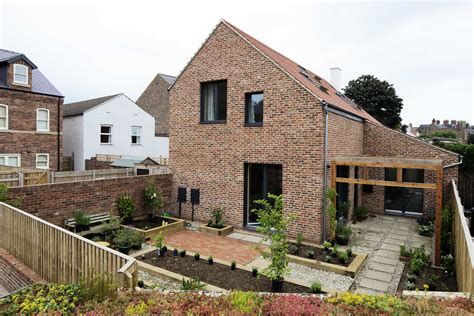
x,y
439,205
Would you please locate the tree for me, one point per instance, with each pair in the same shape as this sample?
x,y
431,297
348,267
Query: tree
x,y
378,98
439,134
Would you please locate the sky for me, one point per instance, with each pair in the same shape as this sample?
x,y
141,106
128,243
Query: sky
x,y
89,49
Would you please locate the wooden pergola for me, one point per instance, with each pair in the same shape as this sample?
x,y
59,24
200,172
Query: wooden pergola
x,y
399,164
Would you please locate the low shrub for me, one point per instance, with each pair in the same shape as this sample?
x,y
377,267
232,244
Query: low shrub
x,y
159,240
316,287
98,288
294,305
327,245
381,303
299,241
216,221
343,257
361,213
126,206
81,218
191,285
245,302
425,229
349,252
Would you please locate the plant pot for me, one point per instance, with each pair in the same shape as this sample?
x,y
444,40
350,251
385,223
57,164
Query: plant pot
x,y
124,249
254,273
232,266
196,258
210,261
342,240
277,286
127,220
175,253
162,252
182,253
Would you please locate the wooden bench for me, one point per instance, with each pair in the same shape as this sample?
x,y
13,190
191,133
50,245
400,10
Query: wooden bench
x,y
97,223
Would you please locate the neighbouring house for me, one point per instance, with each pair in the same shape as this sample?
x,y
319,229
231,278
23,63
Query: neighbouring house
x,y
412,130
111,125
246,121
155,100
30,115
458,127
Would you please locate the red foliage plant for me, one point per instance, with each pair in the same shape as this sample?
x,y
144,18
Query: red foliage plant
x,y
294,305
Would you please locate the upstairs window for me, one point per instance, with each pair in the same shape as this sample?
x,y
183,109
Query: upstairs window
x,y
3,116
42,161
106,134
214,101
254,108
42,120
10,160
136,135
20,74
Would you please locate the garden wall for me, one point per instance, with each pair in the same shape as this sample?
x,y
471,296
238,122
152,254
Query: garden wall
x,y
57,202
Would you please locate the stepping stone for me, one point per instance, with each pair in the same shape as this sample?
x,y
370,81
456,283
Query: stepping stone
x,y
368,244
397,236
390,246
382,267
388,253
374,284
372,237
394,241
236,235
379,276
385,260
362,290
254,239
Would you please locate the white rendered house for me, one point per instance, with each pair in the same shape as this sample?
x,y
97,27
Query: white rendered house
x,y
112,125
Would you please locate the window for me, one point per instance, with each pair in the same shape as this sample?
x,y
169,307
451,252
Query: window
x,y
10,160
20,74
42,120
136,135
254,108
106,134
3,116
214,101
42,161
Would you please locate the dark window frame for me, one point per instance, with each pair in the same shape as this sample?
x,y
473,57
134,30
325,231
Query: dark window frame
x,y
202,86
248,96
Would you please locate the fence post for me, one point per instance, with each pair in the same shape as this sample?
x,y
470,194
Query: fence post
x,y
93,174
21,179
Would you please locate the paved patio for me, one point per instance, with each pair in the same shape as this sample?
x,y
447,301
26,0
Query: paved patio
x,y
381,237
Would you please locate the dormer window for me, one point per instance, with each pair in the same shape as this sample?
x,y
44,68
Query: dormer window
x,y
20,74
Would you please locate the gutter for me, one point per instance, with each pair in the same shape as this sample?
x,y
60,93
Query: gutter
x,y
325,162
454,164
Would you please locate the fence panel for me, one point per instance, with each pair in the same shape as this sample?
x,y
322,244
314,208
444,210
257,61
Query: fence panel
x,y
74,176
464,246
58,255
466,189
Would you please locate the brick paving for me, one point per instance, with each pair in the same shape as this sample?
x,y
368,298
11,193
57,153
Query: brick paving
x,y
218,247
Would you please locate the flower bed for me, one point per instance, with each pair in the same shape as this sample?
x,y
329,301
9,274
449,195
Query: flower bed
x,y
150,228
319,254
217,274
435,278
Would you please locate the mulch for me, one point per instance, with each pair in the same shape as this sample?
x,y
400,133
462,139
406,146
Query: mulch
x,y
320,255
444,282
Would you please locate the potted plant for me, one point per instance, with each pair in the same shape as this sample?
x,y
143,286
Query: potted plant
x,y
210,260
159,243
273,224
254,272
82,221
126,207
175,252
343,233
153,199
196,256
137,240
123,240
405,254
361,213
182,253
233,264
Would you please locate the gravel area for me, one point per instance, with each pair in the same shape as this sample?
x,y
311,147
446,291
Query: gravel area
x,y
158,283
306,275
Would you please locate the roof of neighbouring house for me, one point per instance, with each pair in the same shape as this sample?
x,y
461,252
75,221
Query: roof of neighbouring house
x,y
78,108
39,83
131,161
315,84
168,78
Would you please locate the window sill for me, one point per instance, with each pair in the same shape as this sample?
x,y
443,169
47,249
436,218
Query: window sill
x,y
213,122
253,124
136,144
20,84
42,132
109,144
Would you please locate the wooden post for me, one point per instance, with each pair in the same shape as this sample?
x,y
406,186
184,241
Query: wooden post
x,y
439,205
399,175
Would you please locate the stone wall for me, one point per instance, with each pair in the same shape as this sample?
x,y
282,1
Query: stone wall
x,y
57,202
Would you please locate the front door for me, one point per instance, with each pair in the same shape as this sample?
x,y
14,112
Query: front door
x,y
404,201
260,179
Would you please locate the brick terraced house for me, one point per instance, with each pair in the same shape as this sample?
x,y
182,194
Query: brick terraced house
x,y
30,115
246,121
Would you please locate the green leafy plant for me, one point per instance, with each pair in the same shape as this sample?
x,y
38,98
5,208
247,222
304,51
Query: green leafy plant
x,y
273,224
343,232
110,229
343,257
410,285
299,241
361,213
124,238
448,264
425,230
4,196
331,195
310,254
196,256
126,206
404,252
153,198
335,252
327,245
159,240
412,277
344,209
245,302
193,284
233,265
349,252
81,218
327,259
316,287
216,221
98,288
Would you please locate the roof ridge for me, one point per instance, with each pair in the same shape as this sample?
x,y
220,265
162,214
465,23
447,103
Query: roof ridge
x,y
10,51
107,97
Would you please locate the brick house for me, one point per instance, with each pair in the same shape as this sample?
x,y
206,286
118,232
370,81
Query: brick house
x,y
30,115
246,121
155,100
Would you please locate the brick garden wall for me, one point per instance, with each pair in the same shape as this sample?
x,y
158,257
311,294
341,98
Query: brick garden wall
x,y
13,274
57,202
94,164
382,141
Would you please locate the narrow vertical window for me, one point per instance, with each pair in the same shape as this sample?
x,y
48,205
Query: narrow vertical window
x,y
214,101
106,134
42,161
136,135
20,74
42,120
254,108
3,116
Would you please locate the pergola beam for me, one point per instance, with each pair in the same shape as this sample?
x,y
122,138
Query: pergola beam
x,y
388,183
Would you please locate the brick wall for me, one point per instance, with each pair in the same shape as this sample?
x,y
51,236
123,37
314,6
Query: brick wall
x,y
212,156
94,164
57,202
13,274
382,141
21,136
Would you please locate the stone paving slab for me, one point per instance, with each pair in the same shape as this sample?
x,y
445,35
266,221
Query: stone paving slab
x,y
382,267
394,241
388,253
374,284
385,260
379,276
391,247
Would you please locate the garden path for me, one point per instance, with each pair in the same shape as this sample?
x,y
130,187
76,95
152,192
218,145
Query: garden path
x,y
380,237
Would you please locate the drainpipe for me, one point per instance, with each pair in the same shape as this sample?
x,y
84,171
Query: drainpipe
x,y
454,164
59,135
325,169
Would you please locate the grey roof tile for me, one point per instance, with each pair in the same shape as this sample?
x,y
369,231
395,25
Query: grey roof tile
x,y
78,108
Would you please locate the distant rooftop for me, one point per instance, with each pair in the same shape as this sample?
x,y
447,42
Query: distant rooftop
x,y
78,108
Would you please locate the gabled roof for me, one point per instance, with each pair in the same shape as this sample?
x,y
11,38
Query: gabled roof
x,y
313,83
10,57
78,108
168,78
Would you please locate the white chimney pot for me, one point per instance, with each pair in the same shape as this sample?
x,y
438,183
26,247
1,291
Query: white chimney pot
x,y
335,77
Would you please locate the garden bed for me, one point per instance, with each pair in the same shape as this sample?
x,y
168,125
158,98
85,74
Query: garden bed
x,y
224,231
217,274
159,224
445,283
319,254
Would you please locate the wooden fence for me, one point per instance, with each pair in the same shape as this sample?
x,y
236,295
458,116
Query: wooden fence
x,y
466,189
464,246
75,176
13,177
58,255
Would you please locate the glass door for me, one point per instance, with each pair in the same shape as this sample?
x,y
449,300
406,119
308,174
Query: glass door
x,y
404,201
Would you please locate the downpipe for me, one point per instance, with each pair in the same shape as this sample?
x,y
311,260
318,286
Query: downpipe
x,y
325,163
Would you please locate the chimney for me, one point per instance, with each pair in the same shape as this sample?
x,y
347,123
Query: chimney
x,y
433,121
453,122
446,122
335,77
437,122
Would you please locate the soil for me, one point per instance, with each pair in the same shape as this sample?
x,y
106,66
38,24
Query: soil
x,y
444,283
146,224
320,255
217,274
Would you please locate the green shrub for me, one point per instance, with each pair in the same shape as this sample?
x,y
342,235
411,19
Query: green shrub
x,y
193,284
153,198
3,192
216,221
299,241
404,252
335,251
81,218
349,252
124,238
410,285
316,287
343,257
326,245
126,206
98,288
361,212
330,197
245,302
425,230
159,240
